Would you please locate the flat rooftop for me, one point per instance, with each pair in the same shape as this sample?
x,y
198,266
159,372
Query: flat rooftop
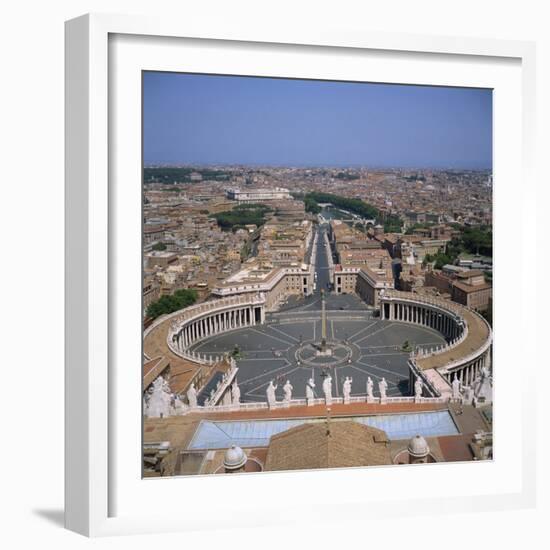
x,y
250,274
478,332
258,433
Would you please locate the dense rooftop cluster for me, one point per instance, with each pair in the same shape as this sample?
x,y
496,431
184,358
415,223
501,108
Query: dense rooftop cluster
x,y
230,235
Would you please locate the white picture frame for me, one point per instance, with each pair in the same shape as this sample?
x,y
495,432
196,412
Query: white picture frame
x,y
96,406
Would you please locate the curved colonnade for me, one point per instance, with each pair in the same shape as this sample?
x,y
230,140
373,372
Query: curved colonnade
x,y
468,337
465,353
195,323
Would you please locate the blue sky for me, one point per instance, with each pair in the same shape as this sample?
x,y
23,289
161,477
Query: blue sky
x,y
203,119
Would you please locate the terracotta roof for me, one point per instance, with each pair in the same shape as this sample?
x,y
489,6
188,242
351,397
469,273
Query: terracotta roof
x,y
346,444
456,448
470,273
471,288
391,237
152,369
153,229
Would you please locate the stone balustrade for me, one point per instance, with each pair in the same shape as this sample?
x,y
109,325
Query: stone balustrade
x,y
262,405
223,388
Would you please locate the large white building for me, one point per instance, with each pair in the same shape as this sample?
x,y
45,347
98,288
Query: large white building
x,y
276,284
258,195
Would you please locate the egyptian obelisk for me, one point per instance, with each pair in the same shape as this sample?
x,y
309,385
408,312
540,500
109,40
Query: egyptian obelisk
x,y
323,323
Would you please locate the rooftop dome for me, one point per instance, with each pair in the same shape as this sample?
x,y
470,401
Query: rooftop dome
x,y
234,458
418,447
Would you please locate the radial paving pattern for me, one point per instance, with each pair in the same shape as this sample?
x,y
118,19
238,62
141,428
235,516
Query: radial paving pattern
x,y
282,349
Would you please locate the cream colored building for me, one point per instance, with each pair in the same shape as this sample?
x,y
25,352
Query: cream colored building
x,y
258,195
275,283
365,282
151,292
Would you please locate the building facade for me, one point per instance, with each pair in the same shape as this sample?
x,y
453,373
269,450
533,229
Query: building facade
x,y
258,195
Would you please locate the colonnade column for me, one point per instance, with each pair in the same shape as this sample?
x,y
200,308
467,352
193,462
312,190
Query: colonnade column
x,y
210,326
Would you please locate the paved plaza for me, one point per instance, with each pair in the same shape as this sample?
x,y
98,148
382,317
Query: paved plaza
x,y
284,349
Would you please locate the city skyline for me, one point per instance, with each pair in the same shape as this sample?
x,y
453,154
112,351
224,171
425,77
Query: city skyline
x,y
310,250
193,119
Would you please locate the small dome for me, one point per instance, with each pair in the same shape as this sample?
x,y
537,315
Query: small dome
x,y
234,458
418,447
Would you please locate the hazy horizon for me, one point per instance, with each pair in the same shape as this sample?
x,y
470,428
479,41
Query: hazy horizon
x,y
208,120
199,165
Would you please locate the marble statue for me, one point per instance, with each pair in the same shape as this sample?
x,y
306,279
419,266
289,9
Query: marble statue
x,y
160,399
287,388
456,387
270,392
382,387
310,390
484,375
235,393
192,395
418,385
179,406
327,389
370,387
346,390
483,388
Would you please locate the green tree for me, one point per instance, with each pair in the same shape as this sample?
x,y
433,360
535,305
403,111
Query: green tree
x,y
180,174
245,214
312,206
357,206
454,248
236,353
168,304
478,240
441,260
159,246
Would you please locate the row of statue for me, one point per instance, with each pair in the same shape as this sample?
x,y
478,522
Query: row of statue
x,y
479,391
327,390
160,401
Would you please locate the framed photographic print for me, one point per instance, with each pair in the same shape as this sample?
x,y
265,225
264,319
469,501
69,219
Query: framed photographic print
x,y
286,278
